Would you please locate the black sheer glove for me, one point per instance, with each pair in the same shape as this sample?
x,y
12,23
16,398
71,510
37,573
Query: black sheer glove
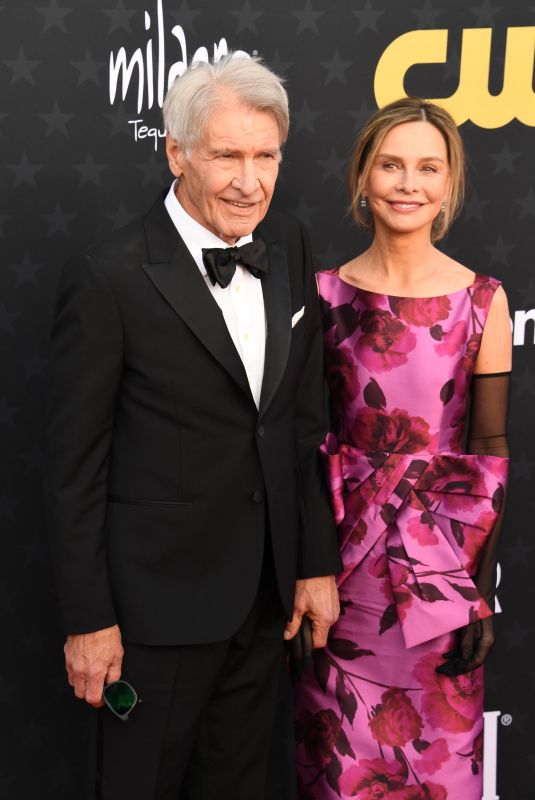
x,y
300,649
474,643
487,435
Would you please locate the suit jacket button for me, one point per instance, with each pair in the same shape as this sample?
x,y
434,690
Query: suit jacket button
x,y
260,430
258,496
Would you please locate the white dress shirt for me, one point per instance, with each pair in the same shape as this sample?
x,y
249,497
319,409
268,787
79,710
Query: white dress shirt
x,y
241,302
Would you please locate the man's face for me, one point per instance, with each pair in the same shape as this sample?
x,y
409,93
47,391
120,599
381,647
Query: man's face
x,y
228,182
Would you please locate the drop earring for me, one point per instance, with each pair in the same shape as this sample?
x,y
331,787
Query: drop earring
x,y
443,207
363,201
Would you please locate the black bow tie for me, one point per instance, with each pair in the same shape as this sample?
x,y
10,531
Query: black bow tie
x,y
220,262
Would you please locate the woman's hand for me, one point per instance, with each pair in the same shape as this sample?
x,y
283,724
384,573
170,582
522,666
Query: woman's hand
x,y
474,643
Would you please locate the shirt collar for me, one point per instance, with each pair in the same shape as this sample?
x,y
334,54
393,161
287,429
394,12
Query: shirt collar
x,y
194,235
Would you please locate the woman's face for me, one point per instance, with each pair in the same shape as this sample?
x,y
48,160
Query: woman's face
x,y
408,179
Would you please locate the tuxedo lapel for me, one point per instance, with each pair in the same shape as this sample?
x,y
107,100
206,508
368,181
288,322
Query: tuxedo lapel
x,y
277,302
177,278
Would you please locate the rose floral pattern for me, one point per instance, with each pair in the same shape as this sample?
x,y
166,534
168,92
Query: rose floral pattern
x,y
373,717
395,432
385,341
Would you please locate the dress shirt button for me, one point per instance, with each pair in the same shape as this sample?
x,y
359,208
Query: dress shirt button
x,y
258,496
260,430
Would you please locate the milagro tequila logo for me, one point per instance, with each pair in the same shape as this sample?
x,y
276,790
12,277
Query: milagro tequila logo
x,y
145,70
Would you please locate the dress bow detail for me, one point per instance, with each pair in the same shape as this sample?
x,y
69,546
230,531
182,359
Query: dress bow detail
x,y
436,511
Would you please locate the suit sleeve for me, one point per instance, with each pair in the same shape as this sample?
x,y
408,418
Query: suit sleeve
x,y
86,366
318,544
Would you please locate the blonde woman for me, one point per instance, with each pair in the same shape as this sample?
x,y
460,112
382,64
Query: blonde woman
x,y
393,706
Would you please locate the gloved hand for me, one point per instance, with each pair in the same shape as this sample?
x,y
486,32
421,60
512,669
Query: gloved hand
x,y
474,643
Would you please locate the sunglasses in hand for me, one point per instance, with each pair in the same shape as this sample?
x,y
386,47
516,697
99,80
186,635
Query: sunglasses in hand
x,y
121,698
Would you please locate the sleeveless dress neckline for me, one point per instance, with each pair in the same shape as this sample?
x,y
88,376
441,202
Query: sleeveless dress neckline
x,y
336,273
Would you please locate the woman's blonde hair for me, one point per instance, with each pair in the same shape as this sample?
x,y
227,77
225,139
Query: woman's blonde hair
x,y
369,140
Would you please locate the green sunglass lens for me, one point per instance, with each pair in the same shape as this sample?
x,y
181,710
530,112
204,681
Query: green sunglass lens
x,y
121,697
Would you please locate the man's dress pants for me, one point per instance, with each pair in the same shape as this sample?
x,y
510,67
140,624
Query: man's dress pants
x,y
203,728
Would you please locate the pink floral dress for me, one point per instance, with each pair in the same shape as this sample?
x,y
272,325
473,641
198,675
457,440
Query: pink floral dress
x,y
374,719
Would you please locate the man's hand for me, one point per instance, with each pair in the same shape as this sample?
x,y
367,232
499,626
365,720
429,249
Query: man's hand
x,y
318,599
92,659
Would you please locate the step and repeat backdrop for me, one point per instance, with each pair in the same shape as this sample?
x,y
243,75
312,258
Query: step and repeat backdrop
x,y
82,83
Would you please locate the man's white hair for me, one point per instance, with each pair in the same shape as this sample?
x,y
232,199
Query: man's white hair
x,y
196,94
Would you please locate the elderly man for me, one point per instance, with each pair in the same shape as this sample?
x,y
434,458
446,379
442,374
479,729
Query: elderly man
x,y
187,516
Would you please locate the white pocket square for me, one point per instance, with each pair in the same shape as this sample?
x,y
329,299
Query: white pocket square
x,y
297,316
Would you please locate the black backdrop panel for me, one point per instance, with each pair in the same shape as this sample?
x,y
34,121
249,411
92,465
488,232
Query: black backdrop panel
x,y
82,154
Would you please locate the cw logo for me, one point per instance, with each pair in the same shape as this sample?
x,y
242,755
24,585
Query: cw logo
x,y
471,100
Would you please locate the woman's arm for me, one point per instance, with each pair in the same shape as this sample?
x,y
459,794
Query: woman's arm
x,y
487,435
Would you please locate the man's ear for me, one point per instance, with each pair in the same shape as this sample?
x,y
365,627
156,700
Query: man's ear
x,y
175,156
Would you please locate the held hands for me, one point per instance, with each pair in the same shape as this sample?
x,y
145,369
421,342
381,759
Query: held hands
x,y
474,643
92,659
318,599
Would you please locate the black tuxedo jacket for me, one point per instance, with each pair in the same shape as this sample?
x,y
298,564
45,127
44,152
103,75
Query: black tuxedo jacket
x,y
162,474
